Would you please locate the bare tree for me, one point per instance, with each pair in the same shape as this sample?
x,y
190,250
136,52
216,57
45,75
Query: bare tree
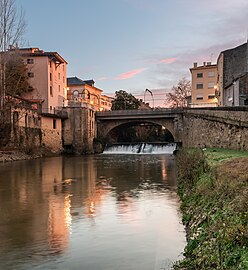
x,y
177,98
12,26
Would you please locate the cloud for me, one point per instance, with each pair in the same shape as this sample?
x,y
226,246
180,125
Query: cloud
x,y
168,60
102,79
130,74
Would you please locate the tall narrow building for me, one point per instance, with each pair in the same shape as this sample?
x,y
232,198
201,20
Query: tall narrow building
x,y
204,80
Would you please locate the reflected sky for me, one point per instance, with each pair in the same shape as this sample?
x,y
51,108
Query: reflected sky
x,y
90,212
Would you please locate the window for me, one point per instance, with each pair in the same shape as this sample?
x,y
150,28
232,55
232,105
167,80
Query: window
x,y
59,88
211,74
50,64
211,85
199,75
75,95
30,74
199,86
199,97
54,123
30,61
50,76
59,76
51,91
211,96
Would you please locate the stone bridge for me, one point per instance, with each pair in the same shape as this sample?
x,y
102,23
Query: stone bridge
x,y
225,127
170,119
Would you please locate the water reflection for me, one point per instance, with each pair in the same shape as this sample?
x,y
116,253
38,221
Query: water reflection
x,y
94,212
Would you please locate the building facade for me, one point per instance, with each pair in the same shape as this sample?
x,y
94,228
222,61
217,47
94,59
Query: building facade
x,y
232,83
106,103
47,76
204,80
83,94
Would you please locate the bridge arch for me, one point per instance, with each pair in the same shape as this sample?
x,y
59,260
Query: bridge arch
x,y
171,119
145,124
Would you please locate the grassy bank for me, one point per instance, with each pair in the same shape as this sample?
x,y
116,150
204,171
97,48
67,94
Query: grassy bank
x,y
213,187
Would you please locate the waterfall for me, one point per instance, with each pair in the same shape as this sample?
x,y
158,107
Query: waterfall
x,y
141,148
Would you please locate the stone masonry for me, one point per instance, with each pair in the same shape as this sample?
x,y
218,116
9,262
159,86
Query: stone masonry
x,y
218,128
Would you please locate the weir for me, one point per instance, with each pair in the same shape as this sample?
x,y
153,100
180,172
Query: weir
x,y
140,148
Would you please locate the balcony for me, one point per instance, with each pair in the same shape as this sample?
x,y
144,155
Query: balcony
x,y
58,112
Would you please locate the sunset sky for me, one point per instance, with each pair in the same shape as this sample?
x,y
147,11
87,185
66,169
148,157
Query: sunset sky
x,y
135,44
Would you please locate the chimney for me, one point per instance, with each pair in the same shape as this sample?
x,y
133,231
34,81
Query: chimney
x,y
204,64
195,65
208,63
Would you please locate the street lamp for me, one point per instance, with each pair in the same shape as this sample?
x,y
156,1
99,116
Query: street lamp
x,y
147,90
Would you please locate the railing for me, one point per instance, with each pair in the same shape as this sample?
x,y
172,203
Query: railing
x,y
58,112
126,113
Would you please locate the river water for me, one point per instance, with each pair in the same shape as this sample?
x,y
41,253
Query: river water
x,y
99,212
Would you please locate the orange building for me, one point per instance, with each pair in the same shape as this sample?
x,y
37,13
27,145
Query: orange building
x,y
204,80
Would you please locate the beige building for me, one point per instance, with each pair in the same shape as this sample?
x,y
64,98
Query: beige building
x,y
83,94
106,103
204,80
47,76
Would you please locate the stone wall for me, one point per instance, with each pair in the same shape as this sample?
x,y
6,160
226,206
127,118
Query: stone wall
x,y
20,128
51,134
79,130
217,127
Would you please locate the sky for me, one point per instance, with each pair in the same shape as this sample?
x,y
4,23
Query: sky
x,y
134,45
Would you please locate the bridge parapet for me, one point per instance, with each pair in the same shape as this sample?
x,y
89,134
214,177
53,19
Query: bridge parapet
x,y
131,114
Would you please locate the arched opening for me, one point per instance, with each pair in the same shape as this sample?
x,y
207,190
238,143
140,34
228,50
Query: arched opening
x,y
133,132
75,95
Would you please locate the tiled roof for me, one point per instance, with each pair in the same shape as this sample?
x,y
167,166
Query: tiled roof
x,y
76,81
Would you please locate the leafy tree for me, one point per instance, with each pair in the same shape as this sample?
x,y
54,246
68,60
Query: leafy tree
x,y
124,101
177,98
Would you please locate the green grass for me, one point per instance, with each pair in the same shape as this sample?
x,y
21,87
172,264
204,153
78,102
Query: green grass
x,y
216,155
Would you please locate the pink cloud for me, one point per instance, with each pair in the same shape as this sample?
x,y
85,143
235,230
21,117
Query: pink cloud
x,y
129,74
168,60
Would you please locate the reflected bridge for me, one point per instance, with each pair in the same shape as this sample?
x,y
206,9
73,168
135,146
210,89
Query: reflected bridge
x,y
171,119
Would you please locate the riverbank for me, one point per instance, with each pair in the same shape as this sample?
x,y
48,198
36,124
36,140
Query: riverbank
x,y
213,187
9,155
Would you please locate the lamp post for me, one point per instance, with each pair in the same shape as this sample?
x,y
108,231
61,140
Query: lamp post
x,y
147,90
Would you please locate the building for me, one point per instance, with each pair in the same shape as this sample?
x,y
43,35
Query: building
x,y
232,83
204,80
83,94
106,103
84,99
47,76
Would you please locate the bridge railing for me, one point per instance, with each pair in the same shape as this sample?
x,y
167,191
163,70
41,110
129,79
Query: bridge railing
x,y
139,112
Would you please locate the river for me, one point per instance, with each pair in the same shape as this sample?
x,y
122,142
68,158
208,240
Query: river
x,y
99,212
